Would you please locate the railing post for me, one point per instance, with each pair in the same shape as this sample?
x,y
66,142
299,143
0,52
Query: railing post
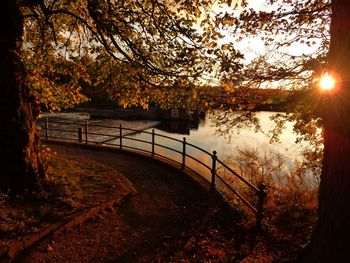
x,y
86,131
152,142
46,129
80,134
213,170
183,153
260,208
120,136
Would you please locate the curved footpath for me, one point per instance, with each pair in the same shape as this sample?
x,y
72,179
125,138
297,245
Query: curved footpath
x,y
157,224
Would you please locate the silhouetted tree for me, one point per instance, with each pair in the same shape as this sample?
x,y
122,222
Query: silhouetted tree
x,y
307,23
331,239
20,163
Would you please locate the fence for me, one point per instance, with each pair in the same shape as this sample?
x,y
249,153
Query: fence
x,y
89,133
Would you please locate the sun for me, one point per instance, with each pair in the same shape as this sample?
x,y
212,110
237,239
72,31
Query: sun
x,y
327,82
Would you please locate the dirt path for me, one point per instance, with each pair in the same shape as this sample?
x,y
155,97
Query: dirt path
x,y
148,227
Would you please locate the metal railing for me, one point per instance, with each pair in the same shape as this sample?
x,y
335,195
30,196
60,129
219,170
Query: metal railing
x,y
83,132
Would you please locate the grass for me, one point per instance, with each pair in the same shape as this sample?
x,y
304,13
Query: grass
x,y
72,185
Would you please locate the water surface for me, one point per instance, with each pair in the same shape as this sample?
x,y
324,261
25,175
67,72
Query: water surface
x,y
207,137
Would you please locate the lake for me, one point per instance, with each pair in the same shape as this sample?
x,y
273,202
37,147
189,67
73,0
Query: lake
x,y
204,134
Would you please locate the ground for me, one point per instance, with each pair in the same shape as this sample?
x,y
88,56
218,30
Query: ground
x,y
167,218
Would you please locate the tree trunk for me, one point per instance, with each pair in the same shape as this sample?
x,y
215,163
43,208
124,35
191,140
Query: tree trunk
x,y
20,163
331,242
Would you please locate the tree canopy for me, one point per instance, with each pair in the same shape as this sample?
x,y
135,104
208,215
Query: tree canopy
x,y
142,46
296,40
137,52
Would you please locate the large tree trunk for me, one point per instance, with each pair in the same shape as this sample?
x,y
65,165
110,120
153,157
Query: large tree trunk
x,y
20,165
331,241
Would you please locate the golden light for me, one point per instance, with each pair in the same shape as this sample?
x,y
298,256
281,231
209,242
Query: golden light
x,y
327,82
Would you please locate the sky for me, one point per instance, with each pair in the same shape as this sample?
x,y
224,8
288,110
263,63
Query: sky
x,y
252,47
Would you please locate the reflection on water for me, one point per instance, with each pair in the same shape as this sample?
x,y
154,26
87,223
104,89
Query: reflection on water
x,y
185,127
203,133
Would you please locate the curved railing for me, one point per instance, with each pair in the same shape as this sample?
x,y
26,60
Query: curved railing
x,y
88,133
